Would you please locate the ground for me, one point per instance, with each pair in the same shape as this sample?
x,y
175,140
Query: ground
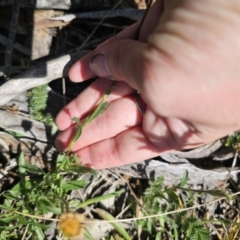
x,y
35,43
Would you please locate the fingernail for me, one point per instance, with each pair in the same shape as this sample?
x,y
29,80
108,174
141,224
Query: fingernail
x,y
98,64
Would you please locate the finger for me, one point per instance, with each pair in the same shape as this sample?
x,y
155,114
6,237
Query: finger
x,y
80,71
177,133
119,116
122,60
128,147
82,105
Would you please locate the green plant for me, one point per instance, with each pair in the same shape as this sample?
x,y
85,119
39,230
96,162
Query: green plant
x,y
233,140
180,225
40,192
38,101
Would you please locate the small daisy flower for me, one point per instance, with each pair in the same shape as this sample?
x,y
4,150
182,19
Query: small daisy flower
x,y
71,225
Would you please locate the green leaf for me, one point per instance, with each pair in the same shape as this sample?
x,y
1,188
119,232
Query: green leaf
x,y
16,189
23,221
22,171
8,228
88,235
20,203
21,161
3,235
109,90
12,196
175,229
100,198
43,204
7,203
41,226
5,207
73,185
158,236
39,233
100,107
184,179
141,223
149,225
15,134
77,134
118,226
32,168
55,210
60,158
98,110
8,219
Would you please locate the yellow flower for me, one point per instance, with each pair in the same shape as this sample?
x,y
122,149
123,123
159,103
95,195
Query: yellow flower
x,y
71,225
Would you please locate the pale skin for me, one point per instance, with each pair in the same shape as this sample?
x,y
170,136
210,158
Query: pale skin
x,y
186,68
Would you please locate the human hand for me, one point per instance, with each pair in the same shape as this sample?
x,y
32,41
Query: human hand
x,y
186,72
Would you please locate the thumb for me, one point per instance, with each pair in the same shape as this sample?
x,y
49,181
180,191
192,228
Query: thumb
x,y
120,60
